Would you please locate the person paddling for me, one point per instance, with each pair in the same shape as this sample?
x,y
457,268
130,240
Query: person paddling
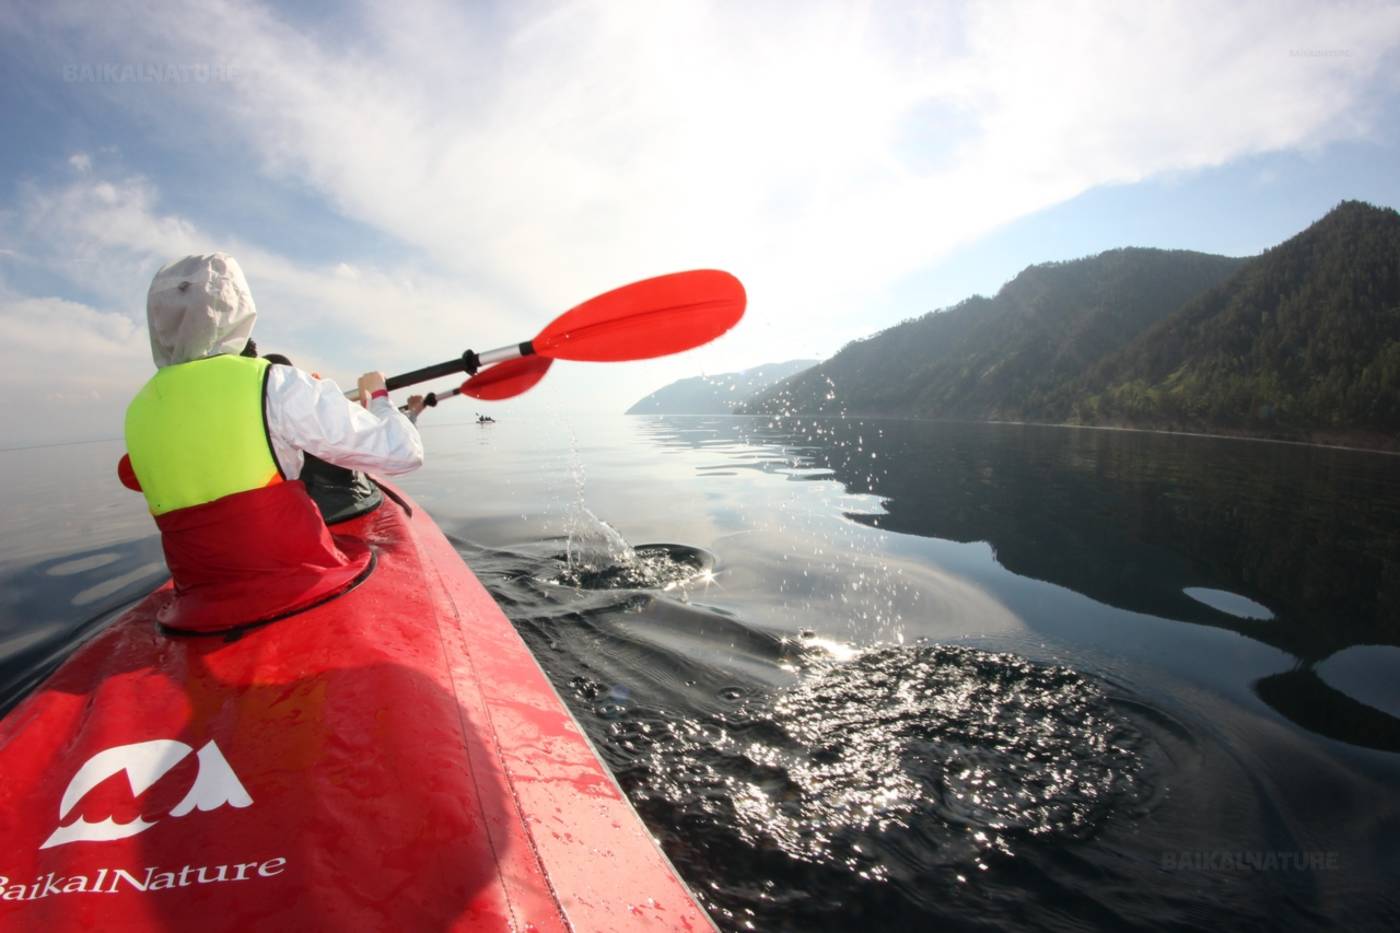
x,y
217,443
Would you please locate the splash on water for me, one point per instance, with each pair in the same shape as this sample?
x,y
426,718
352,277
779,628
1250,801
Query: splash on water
x,y
664,567
593,545
597,557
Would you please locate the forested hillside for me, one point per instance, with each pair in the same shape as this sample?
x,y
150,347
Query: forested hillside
x,y
1000,357
1304,340
1300,342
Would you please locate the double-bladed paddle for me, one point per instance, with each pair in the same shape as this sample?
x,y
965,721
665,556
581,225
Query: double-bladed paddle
x,y
651,318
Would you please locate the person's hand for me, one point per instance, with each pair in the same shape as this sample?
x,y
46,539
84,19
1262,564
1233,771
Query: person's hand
x,y
370,383
415,405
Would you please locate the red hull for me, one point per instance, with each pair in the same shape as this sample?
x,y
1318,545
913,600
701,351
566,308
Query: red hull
x,y
392,760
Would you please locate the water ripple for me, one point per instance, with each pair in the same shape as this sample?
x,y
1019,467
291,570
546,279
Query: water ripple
x,y
972,751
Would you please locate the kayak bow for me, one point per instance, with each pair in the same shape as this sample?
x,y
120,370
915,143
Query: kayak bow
x,y
394,759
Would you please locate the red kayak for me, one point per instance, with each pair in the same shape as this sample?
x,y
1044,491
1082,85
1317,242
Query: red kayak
x,y
391,760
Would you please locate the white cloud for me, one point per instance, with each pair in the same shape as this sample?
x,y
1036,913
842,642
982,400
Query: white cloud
x,y
546,152
27,325
69,369
101,235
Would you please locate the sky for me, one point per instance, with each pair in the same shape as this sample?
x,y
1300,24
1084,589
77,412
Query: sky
x,y
404,181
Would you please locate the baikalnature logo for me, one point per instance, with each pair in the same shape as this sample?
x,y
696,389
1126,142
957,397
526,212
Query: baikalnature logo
x,y
144,763
215,785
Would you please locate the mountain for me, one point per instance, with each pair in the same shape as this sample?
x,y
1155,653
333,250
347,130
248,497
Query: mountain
x,y
716,395
999,358
1300,342
1303,342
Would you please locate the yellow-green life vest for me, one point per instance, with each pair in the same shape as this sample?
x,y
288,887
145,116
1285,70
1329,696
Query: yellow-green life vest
x,y
197,432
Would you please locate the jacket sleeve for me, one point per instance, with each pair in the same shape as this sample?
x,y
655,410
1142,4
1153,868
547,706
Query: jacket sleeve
x,y
313,415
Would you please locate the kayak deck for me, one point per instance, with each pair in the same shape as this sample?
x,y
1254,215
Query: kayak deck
x,y
392,760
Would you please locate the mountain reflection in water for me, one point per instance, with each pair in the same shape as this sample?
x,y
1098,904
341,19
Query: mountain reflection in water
x,y
1135,520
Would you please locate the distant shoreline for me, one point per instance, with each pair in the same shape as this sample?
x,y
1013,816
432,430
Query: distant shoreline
x,y
1241,436
1393,450
91,440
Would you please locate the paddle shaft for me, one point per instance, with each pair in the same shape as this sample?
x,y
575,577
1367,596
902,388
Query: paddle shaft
x,y
468,362
432,398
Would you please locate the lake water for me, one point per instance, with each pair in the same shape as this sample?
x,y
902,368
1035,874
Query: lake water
x,y
946,676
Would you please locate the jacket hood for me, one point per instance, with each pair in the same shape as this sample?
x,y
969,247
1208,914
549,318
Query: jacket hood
x,y
198,307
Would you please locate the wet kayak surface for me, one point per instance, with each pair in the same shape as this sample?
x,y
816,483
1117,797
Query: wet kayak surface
x,y
976,676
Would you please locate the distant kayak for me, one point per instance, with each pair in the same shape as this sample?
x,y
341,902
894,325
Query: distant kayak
x,y
391,760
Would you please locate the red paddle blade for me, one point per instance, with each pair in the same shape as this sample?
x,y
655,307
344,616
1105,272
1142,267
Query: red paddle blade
x,y
508,379
654,317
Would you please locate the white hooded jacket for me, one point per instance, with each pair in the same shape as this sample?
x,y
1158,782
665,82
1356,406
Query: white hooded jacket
x,y
200,306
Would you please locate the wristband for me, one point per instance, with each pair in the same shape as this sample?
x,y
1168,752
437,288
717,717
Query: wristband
x,y
379,393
